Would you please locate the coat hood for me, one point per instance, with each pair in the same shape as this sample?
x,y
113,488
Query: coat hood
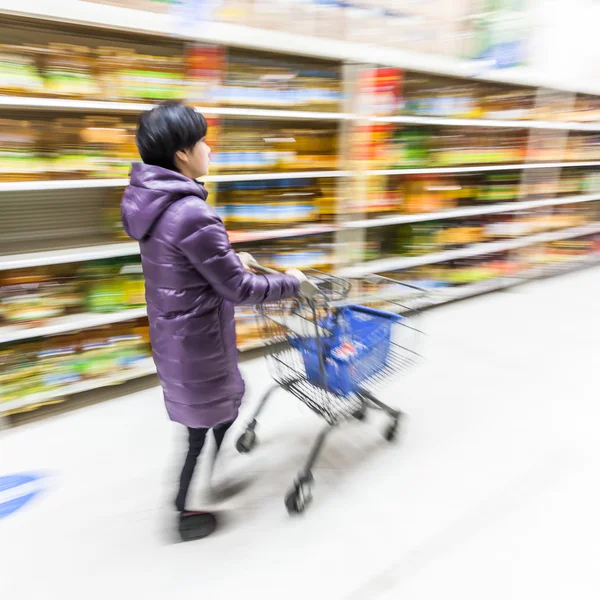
x,y
150,193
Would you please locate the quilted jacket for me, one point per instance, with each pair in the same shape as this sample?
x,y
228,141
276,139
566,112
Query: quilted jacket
x,y
193,280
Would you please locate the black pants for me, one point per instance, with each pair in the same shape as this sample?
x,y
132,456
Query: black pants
x,y
197,438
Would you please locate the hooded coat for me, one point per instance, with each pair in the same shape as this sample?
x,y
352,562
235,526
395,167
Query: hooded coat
x,y
193,280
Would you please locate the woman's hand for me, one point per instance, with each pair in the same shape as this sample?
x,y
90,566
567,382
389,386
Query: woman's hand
x,y
247,260
299,275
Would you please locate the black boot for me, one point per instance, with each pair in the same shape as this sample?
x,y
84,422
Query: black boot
x,y
195,525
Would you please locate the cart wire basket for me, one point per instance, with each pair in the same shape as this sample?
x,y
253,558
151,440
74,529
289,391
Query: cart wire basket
x,y
334,347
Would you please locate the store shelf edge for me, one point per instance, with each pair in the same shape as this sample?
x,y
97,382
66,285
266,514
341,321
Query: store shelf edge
x,y
470,211
401,263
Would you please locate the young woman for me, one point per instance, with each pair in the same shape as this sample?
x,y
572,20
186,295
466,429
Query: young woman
x,y
193,280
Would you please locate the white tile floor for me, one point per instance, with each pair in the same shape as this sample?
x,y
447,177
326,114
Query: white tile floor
x,y
493,491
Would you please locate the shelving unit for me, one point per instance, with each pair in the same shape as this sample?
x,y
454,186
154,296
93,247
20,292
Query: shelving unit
x,y
400,263
346,227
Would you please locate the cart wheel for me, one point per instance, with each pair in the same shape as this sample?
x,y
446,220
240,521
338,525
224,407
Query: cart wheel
x,y
246,441
299,499
360,414
392,432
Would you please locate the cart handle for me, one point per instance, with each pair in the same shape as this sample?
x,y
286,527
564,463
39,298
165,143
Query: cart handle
x,y
307,288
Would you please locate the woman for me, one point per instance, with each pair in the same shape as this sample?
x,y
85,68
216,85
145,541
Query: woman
x,y
193,280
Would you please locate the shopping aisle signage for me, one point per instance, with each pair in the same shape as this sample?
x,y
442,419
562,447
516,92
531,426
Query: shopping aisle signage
x,y
16,491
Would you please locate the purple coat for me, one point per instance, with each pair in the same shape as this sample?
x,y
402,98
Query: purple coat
x,y
193,279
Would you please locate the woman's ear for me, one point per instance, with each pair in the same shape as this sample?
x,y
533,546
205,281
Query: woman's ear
x,y
181,156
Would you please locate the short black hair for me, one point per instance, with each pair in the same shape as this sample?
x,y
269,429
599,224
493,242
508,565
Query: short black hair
x,y
167,129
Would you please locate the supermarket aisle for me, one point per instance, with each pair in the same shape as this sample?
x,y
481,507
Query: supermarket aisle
x,y
492,492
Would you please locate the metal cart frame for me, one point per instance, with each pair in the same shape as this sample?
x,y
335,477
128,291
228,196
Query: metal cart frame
x,y
321,297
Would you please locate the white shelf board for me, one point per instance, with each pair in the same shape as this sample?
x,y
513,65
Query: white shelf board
x,y
482,168
144,368
103,251
75,184
470,211
72,105
182,27
61,325
68,255
62,184
493,123
408,262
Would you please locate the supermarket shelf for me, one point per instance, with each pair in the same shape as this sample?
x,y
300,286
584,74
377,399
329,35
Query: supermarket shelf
x,y
445,296
470,211
183,27
74,184
441,296
104,251
409,262
69,323
493,123
68,255
63,184
482,168
145,368
66,104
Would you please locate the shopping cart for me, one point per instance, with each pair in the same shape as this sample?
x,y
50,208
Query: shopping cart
x,y
333,350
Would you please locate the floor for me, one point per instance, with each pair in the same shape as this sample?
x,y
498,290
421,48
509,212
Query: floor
x,y
492,491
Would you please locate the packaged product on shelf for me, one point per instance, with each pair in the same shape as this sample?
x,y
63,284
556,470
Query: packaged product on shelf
x,y
129,349
263,204
104,288
204,69
59,365
97,355
459,234
439,98
19,72
27,297
512,104
257,146
19,372
280,83
20,159
379,198
380,91
132,277
110,145
499,187
423,194
68,71
71,159
246,326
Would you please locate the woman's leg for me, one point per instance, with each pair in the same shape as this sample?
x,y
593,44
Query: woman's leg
x,y
219,433
196,443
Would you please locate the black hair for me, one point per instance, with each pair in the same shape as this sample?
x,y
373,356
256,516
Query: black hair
x,y
167,129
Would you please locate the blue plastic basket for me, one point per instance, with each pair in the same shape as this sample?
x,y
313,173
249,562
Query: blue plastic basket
x,y
356,349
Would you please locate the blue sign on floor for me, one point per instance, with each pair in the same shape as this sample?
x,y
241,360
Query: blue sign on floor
x,y
16,491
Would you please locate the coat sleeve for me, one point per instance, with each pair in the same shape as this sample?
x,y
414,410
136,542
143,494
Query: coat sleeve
x,y
204,241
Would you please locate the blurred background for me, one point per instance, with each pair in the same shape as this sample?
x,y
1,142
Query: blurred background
x,y
450,143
